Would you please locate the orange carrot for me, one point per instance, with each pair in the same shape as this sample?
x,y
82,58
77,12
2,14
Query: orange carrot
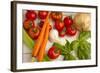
x,y
40,38
43,46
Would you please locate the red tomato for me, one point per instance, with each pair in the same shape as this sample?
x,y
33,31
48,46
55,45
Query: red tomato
x,y
56,15
59,25
62,33
53,52
68,21
41,24
34,32
31,15
28,24
42,14
70,31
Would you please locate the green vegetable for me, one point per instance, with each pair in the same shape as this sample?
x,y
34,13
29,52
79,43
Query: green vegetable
x,y
27,40
46,58
65,50
84,48
80,46
74,44
69,57
30,44
84,35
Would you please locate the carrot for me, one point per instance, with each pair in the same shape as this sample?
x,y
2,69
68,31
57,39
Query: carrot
x,y
40,38
43,46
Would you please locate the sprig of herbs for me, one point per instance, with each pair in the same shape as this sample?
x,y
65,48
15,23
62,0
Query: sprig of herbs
x,y
81,47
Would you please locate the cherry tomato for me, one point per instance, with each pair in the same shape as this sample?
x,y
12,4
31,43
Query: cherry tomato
x,y
28,24
34,32
41,24
53,52
56,15
59,25
62,33
70,31
31,15
68,21
42,14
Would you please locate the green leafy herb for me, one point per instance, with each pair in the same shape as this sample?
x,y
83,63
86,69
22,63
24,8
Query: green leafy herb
x,y
75,44
84,35
80,46
69,57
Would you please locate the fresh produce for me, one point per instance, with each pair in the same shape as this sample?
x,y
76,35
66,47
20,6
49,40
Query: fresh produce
x,y
62,33
31,15
43,46
30,44
82,21
28,24
81,47
53,35
42,14
50,27
49,42
65,51
56,16
68,21
70,31
27,40
34,32
54,52
40,38
41,23
46,58
59,25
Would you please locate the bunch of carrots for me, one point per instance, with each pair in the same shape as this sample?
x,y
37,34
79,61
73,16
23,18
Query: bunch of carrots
x,y
40,45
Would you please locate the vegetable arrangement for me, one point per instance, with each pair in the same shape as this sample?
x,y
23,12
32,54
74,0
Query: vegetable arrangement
x,y
41,27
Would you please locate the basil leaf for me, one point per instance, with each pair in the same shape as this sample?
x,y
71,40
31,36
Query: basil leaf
x,y
84,51
80,54
86,47
75,44
59,46
68,46
84,35
69,57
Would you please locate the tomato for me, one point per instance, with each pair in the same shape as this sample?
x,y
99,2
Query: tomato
x,y
41,24
68,21
70,31
28,24
31,15
42,14
59,25
34,32
62,33
56,15
53,52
